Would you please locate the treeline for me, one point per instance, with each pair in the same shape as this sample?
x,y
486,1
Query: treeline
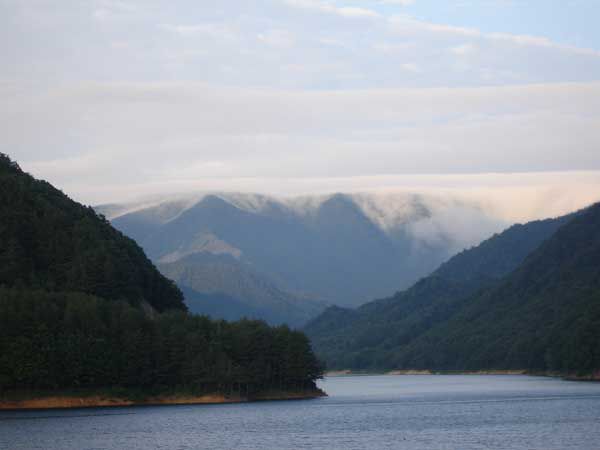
x,y
51,341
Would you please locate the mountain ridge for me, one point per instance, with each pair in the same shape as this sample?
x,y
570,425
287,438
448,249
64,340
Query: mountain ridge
x,y
205,280
544,316
376,243
369,336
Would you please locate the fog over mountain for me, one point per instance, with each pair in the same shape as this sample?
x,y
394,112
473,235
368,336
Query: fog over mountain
x,y
341,249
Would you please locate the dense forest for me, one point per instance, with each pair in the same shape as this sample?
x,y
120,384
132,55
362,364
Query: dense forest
x,y
544,316
513,302
49,241
82,307
73,340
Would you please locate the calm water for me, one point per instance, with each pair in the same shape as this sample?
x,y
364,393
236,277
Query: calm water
x,y
370,412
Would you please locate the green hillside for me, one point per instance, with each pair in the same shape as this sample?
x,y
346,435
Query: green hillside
x,y
81,307
380,334
544,316
49,241
60,341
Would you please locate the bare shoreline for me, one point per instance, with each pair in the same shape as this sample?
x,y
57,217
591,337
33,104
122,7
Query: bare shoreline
x,y
100,401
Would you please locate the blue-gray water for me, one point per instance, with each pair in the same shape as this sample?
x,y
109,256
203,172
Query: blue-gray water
x,y
369,412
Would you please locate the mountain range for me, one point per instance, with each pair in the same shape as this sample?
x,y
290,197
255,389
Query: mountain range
x,y
284,260
82,305
527,298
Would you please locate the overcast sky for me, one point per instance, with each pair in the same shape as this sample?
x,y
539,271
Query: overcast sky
x,y
112,100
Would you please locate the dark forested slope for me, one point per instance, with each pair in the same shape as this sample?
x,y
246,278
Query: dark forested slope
x,y
49,241
371,336
62,341
544,316
74,312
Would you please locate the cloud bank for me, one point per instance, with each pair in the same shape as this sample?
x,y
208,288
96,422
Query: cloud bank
x,y
119,99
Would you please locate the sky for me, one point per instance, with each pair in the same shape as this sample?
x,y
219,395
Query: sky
x,y
116,99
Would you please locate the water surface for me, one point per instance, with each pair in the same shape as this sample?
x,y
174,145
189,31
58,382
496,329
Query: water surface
x,y
363,412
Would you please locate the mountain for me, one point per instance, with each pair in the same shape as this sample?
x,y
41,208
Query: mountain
x,y
544,316
49,241
374,335
82,309
222,287
339,248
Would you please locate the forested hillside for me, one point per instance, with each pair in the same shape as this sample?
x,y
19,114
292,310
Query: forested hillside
x,y
49,241
52,341
544,316
82,307
374,335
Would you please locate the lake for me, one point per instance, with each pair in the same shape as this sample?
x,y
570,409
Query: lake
x,y
454,412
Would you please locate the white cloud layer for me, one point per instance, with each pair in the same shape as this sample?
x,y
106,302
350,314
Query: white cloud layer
x,y
195,135
113,99
292,44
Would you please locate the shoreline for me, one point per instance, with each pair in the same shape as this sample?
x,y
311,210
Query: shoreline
x,y
400,372
106,401
595,377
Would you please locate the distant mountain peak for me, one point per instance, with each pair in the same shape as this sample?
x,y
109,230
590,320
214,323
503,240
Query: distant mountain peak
x,y
344,247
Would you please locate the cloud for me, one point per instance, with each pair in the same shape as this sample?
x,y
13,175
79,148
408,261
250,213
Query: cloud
x,y
410,67
277,38
464,49
283,95
349,11
538,41
241,43
331,8
408,24
107,10
215,31
131,134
